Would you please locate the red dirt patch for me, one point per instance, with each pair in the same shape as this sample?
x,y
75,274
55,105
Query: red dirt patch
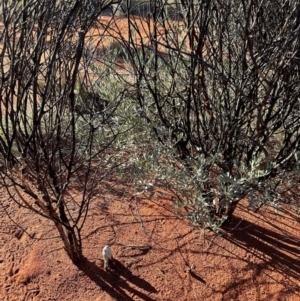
x,y
139,31
30,269
158,256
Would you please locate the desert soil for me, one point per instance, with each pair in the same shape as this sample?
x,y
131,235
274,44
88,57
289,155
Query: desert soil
x,y
157,256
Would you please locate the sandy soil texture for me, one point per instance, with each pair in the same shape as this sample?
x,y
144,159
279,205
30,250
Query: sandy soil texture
x,y
157,256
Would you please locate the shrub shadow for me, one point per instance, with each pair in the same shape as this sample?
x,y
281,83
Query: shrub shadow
x,y
115,281
273,248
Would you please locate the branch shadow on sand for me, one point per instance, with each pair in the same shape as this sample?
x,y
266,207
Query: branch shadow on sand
x,y
276,249
118,281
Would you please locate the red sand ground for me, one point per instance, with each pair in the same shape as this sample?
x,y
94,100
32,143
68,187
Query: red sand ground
x,y
158,256
111,30
154,251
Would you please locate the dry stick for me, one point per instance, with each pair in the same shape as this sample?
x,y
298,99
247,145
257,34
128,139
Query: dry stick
x,y
139,215
138,247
